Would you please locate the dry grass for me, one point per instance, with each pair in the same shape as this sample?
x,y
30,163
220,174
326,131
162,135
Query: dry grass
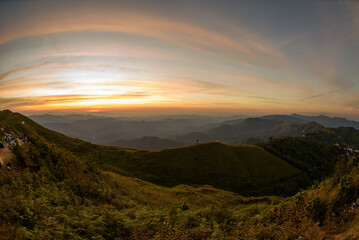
x,y
6,155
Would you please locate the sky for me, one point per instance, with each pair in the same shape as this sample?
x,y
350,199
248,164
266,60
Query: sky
x,y
178,57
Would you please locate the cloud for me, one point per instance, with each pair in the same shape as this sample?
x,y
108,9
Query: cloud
x,y
263,98
76,101
14,71
118,57
185,85
245,47
329,93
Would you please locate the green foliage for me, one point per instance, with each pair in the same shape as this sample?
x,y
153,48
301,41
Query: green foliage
x,y
345,182
317,209
317,159
341,135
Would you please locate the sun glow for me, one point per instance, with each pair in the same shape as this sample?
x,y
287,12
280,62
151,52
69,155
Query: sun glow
x,y
91,102
117,56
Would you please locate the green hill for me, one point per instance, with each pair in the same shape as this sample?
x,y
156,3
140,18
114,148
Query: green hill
x,y
69,197
244,169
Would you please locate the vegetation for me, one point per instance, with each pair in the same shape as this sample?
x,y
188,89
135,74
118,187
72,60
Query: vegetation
x,y
51,193
341,135
316,158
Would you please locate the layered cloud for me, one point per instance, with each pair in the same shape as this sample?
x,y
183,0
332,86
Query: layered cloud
x,y
117,55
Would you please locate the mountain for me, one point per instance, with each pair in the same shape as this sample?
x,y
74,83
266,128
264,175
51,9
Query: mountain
x,y
310,127
68,129
185,130
321,119
244,169
147,142
247,128
107,130
292,129
255,130
133,133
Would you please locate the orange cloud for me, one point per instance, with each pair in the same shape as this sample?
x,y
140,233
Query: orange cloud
x,y
246,47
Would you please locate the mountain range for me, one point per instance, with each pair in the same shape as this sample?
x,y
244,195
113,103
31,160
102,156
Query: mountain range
x,y
242,168
173,131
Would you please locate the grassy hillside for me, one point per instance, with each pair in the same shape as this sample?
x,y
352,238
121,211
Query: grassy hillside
x,y
67,197
243,169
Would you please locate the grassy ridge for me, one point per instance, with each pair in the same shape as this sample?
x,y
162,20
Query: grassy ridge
x,y
244,169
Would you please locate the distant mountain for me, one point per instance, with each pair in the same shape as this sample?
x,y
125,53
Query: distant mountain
x,y
68,129
254,130
107,130
147,142
321,119
50,118
250,127
285,118
250,131
173,131
292,129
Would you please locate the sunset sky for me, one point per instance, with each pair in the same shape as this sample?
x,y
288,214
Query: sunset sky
x,y
235,57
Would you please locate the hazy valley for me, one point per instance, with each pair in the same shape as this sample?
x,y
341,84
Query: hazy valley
x,y
175,131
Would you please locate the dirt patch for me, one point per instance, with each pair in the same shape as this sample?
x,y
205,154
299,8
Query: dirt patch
x,y
6,155
3,234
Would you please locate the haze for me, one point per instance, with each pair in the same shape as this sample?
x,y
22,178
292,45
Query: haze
x,y
242,57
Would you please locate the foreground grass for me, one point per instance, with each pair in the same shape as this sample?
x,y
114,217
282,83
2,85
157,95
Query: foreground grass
x,y
73,199
118,207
